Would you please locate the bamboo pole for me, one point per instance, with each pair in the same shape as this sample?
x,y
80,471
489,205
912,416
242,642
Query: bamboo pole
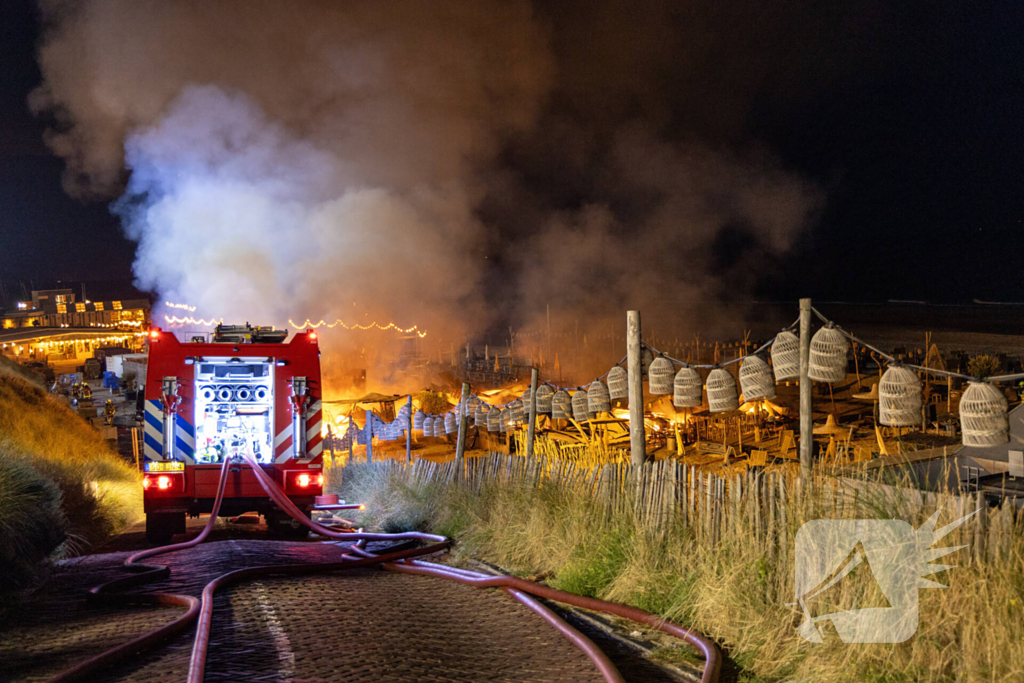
x,y
634,368
408,432
533,413
369,435
806,423
460,444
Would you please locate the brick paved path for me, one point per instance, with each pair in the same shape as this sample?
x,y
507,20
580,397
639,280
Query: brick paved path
x,y
361,625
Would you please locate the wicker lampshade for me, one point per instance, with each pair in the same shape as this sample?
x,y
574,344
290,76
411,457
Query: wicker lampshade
x,y
646,358
506,418
617,383
899,397
828,355
417,420
451,425
473,402
661,375
525,398
494,420
687,388
579,406
544,394
756,379
439,426
480,416
786,356
983,415
722,391
517,411
428,426
598,400
561,404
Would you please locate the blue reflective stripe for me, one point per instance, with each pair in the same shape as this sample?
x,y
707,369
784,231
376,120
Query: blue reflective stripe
x,y
183,447
184,424
154,444
155,421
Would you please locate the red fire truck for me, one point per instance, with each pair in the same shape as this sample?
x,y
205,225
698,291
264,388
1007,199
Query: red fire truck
x,y
246,390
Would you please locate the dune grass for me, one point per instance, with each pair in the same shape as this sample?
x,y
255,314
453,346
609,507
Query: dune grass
x,y
733,590
62,489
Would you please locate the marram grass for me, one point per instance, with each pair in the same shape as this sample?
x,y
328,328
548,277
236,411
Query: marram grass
x,y
62,489
972,631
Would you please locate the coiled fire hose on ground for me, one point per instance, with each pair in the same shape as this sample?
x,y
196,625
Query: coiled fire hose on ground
x,y
399,560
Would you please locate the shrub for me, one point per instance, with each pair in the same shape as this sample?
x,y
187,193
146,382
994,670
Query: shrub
x,y
982,366
433,402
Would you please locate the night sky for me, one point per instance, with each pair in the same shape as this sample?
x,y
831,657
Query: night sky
x,y
907,118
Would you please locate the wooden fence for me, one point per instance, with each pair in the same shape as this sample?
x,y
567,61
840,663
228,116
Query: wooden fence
x,y
760,507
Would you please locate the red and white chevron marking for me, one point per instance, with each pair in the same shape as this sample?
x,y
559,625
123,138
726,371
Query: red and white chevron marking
x,y
314,439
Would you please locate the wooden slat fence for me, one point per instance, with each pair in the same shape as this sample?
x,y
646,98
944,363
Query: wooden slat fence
x,y
756,506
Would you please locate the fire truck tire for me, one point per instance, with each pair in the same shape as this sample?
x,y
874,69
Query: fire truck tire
x,y
280,523
161,526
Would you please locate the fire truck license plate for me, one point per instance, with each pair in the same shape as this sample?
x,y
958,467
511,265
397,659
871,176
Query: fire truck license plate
x,y
169,466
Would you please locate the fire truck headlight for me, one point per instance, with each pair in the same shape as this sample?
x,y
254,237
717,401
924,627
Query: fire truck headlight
x,y
163,482
146,483
154,335
320,480
303,480
312,335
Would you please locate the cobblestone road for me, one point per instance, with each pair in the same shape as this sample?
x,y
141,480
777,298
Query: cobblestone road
x,y
362,625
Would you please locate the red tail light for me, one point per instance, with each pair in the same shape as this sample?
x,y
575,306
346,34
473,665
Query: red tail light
x,y
172,482
302,481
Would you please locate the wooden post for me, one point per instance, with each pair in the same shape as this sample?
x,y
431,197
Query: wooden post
x,y
408,433
351,434
634,369
369,436
460,445
533,413
330,444
806,423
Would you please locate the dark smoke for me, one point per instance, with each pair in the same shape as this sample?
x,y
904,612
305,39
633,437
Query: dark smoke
x,y
454,165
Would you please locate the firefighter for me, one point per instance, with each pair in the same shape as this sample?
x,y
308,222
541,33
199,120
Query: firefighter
x,y
108,413
86,392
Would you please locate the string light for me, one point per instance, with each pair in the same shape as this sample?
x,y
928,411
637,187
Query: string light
x,y
371,326
174,320
308,324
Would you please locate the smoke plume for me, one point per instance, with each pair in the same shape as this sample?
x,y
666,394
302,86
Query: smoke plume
x,y
453,165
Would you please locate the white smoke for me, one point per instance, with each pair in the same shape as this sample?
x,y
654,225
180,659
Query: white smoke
x,y
238,216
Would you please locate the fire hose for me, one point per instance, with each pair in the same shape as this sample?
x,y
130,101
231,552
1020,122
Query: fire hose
x,y
201,611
